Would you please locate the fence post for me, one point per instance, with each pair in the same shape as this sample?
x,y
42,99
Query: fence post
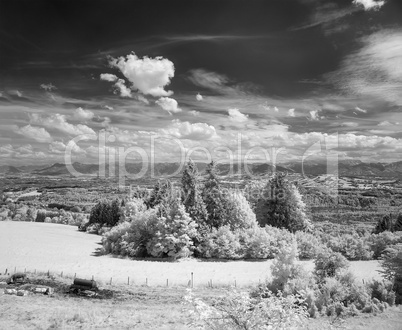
x,y
146,281
167,282
192,280
111,280
128,280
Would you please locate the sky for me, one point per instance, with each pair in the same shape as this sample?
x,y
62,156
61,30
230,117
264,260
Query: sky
x,y
227,80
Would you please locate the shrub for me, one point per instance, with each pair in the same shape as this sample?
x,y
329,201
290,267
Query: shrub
x,y
40,216
131,208
336,294
259,244
398,223
351,246
237,310
105,213
280,238
382,290
384,224
308,245
329,263
392,265
379,242
76,209
284,267
131,238
112,239
221,243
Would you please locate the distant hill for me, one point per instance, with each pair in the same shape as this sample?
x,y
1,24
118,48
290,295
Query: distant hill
x,y
61,169
6,169
354,168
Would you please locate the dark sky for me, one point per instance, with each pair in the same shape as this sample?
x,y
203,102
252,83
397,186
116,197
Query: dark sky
x,y
269,68
272,53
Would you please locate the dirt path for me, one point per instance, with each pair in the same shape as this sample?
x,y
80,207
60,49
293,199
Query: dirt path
x,y
60,248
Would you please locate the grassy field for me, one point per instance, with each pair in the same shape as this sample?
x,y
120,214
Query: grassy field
x,y
58,248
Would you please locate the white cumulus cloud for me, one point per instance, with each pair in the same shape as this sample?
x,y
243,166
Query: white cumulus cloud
x,y
194,112
108,77
81,114
236,116
186,130
199,97
36,133
122,89
369,4
168,104
58,147
291,112
147,75
59,122
314,115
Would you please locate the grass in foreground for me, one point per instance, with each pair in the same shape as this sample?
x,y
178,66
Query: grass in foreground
x,y
136,307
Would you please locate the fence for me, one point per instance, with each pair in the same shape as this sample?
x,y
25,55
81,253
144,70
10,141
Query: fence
x,y
133,281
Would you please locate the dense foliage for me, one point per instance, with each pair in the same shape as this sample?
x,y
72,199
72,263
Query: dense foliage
x,y
281,206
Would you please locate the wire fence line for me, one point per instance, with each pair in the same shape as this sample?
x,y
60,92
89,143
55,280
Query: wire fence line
x,y
133,281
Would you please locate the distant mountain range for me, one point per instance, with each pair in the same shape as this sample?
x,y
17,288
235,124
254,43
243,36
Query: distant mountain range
x,y
345,168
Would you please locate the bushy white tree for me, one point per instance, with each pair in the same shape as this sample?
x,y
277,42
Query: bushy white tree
x,y
174,234
239,212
